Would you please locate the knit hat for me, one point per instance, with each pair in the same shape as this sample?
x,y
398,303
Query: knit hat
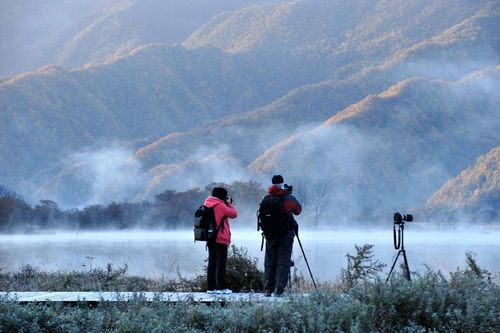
x,y
278,179
219,192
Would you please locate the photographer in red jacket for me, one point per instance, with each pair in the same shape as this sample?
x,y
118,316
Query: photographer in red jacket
x,y
217,252
279,248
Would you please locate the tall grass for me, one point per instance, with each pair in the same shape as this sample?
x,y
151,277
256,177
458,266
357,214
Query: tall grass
x,y
242,275
430,303
467,300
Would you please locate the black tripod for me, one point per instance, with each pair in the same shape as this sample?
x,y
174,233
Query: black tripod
x,y
399,244
307,263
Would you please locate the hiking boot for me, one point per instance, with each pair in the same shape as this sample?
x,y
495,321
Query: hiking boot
x,y
211,292
279,293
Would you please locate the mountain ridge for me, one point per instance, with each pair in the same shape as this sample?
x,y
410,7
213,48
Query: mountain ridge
x,y
141,95
306,69
371,80
73,33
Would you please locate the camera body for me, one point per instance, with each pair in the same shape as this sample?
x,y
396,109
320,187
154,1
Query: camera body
x,y
402,218
288,188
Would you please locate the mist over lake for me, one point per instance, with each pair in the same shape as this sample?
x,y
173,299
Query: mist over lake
x,y
156,254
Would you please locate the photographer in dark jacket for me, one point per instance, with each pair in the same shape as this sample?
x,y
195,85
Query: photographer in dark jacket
x,y
279,248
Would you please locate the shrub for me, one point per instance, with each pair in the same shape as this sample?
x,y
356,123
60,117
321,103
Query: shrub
x,y
360,267
242,273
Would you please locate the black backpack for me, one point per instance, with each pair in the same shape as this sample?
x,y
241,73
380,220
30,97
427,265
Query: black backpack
x,y
205,228
271,218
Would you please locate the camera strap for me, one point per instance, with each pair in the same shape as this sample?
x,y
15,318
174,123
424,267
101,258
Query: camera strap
x,y
397,241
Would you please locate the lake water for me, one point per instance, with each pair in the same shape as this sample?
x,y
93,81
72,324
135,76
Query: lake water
x,y
155,254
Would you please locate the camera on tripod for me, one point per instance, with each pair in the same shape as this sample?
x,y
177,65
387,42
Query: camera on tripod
x,y
401,219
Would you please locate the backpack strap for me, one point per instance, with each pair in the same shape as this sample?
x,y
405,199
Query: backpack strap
x,y
221,226
286,216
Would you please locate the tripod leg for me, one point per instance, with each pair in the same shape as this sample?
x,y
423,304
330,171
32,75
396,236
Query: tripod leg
x,y
307,263
406,266
393,264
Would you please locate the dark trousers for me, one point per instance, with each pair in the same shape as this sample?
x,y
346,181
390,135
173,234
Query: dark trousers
x,y
216,271
277,262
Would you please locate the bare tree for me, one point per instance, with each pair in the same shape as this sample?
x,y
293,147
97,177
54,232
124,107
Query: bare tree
x,y
315,198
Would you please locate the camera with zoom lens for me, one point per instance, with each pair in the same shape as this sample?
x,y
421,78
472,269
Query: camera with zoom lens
x,y
288,188
401,219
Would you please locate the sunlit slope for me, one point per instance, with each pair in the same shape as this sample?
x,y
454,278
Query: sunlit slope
x,y
71,33
395,149
467,46
153,91
474,190
320,39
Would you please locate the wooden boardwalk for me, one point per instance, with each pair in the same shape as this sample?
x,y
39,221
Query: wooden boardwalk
x,y
170,297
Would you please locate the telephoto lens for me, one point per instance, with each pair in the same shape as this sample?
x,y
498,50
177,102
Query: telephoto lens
x,y
398,218
407,217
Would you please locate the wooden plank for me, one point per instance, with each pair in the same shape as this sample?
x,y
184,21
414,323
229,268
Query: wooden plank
x,y
171,297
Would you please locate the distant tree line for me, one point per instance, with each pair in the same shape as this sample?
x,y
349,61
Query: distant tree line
x,y
175,210
169,210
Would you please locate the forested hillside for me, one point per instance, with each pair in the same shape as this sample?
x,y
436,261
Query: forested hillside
x,y
153,91
380,101
317,40
72,33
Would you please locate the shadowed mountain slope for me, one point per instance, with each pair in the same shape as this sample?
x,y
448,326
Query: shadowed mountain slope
x,y
32,33
156,89
71,33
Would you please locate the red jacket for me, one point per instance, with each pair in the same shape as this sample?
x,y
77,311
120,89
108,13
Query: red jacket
x,y
290,204
222,212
